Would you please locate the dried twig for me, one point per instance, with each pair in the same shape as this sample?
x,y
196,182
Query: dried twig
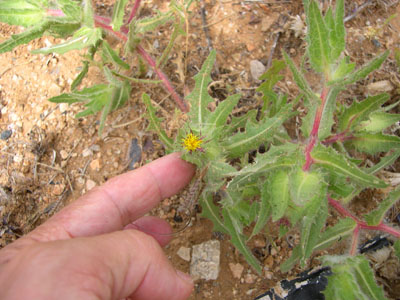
x,y
357,11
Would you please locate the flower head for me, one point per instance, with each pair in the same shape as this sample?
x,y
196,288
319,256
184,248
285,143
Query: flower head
x,y
192,142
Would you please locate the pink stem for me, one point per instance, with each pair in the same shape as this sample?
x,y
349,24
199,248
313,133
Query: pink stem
x,y
340,137
354,240
134,10
104,22
361,224
314,131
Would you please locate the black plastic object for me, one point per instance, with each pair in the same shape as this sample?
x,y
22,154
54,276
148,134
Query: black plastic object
x,y
307,286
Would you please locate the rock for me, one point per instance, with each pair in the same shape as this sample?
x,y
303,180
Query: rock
x,y
256,69
205,260
95,148
380,87
273,251
58,189
63,107
269,261
87,152
6,134
54,90
95,164
250,278
260,243
63,154
236,269
184,253
90,184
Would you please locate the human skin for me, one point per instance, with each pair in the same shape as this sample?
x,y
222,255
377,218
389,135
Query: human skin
x,y
102,246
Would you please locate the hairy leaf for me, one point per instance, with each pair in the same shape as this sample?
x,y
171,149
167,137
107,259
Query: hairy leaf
x,y
376,216
22,12
155,123
254,135
378,121
373,143
278,189
82,38
352,278
292,260
218,118
304,186
239,240
388,160
199,97
312,224
264,211
88,14
118,14
337,36
151,23
361,72
343,68
327,121
317,37
342,229
300,80
360,111
112,56
24,37
334,162
78,80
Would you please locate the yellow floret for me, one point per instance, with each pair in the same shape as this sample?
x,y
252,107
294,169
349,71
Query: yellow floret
x,y
191,142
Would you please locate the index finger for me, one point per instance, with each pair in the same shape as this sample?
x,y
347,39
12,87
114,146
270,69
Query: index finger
x,y
119,201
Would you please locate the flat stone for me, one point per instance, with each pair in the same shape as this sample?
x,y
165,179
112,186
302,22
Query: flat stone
x,y
184,253
63,107
90,184
205,260
256,69
236,269
87,152
6,134
95,164
380,87
64,154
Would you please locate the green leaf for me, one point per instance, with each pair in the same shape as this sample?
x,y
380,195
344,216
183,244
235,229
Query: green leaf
x,y
337,37
384,162
211,212
352,278
22,12
82,38
342,229
376,216
379,121
118,14
71,9
327,121
362,72
343,69
78,80
88,15
112,56
292,260
304,185
300,80
360,111
312,224
317,37
151,23
87,94
219,117
239,122
254,135
155,123
334,162
264,211
217,172
239,240
199,97
277,187
24,37
373,143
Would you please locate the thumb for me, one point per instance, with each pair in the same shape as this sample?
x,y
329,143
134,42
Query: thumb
x,y
124,264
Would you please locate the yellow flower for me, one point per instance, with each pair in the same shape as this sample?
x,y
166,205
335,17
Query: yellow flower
x,y
191,142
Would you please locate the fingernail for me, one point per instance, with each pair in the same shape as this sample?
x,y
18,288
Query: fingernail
x,y
185,277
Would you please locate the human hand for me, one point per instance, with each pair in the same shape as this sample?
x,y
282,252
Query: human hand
x,y
93,248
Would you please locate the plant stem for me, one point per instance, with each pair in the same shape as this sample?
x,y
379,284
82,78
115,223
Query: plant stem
x,y
354,241
104,22
315,128
361,224
134,11
340,137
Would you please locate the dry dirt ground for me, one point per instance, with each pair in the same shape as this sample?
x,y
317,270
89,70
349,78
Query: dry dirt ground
x,y
51,158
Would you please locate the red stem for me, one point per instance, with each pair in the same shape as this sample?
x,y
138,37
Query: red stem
x,y
314,131
354,241
104,22
361,224
134,10
340,137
